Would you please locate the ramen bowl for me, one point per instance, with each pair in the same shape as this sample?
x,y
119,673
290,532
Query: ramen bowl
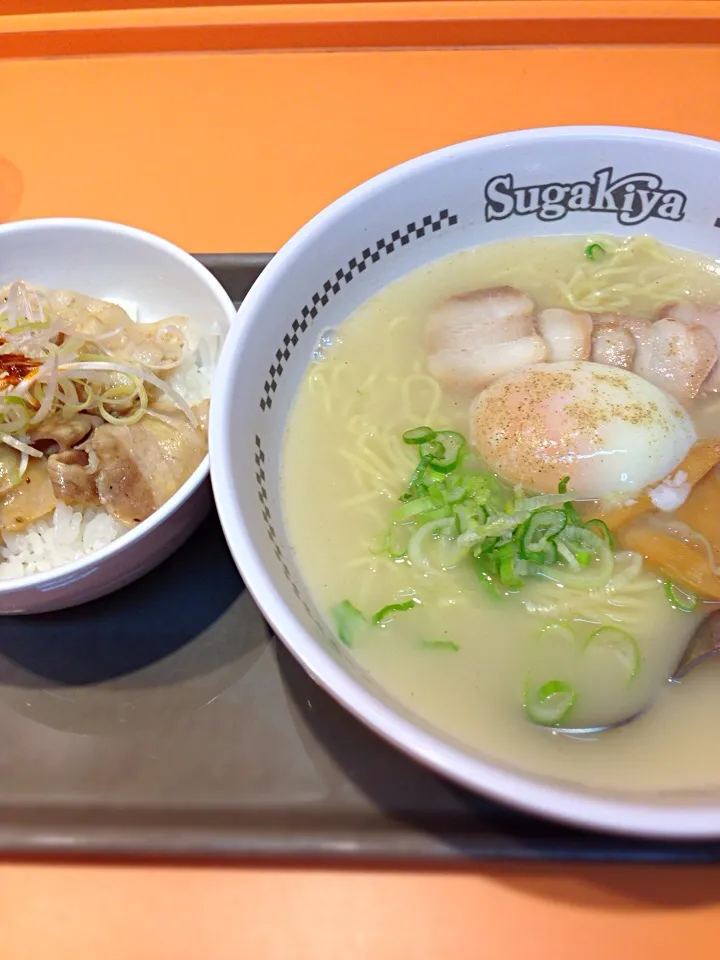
x,y
540,183
138,270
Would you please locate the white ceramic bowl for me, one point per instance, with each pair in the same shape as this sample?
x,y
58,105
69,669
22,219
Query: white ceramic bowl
x,y
116,262
573,180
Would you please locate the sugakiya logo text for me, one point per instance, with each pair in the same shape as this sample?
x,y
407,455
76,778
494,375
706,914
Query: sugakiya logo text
x,y
633,198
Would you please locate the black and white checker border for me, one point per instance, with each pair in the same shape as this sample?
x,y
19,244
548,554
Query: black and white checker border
x,y
342,277
261,481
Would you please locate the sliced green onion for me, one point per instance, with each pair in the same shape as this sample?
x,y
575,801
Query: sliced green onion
x,y
550,704
14,414
456,488
531,504
397,540
51,368
438,514
507,567
421,540
601,529
441,645
432,450
386,612
436,492
485,570
622,643
470,516
411,509
537,535
444,450
594,250
449,513
579,546
485,546
479,487
680,599
122,394
11,400
416,487
419,435
92,357
10,472
130,370
348,621
575,540
67,395
573,517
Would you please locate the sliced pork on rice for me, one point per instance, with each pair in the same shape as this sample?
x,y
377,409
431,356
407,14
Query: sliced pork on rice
x,y
102,420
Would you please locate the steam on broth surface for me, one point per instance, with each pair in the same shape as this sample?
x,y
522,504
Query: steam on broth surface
x,y
481,663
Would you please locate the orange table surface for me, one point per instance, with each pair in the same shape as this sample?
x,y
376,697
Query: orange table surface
x,y
234,152
135,913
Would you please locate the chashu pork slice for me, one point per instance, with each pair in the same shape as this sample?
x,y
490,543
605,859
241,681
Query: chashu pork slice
x,y
476,337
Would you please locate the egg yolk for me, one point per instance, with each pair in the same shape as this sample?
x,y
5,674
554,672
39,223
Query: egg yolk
x,y
607,429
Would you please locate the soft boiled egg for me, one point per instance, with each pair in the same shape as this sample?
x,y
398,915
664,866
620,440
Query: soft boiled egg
x,y
607,429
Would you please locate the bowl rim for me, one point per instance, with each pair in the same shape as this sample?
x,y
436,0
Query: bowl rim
x,y
127,540
664,818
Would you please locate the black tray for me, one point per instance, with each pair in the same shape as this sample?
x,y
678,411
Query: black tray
x,y
166,720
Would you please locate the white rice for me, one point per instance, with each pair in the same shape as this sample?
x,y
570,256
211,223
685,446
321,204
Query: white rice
x,y
192,378
69,534
74,532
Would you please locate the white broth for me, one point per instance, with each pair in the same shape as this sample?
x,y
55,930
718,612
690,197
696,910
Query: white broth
x,y
461,658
